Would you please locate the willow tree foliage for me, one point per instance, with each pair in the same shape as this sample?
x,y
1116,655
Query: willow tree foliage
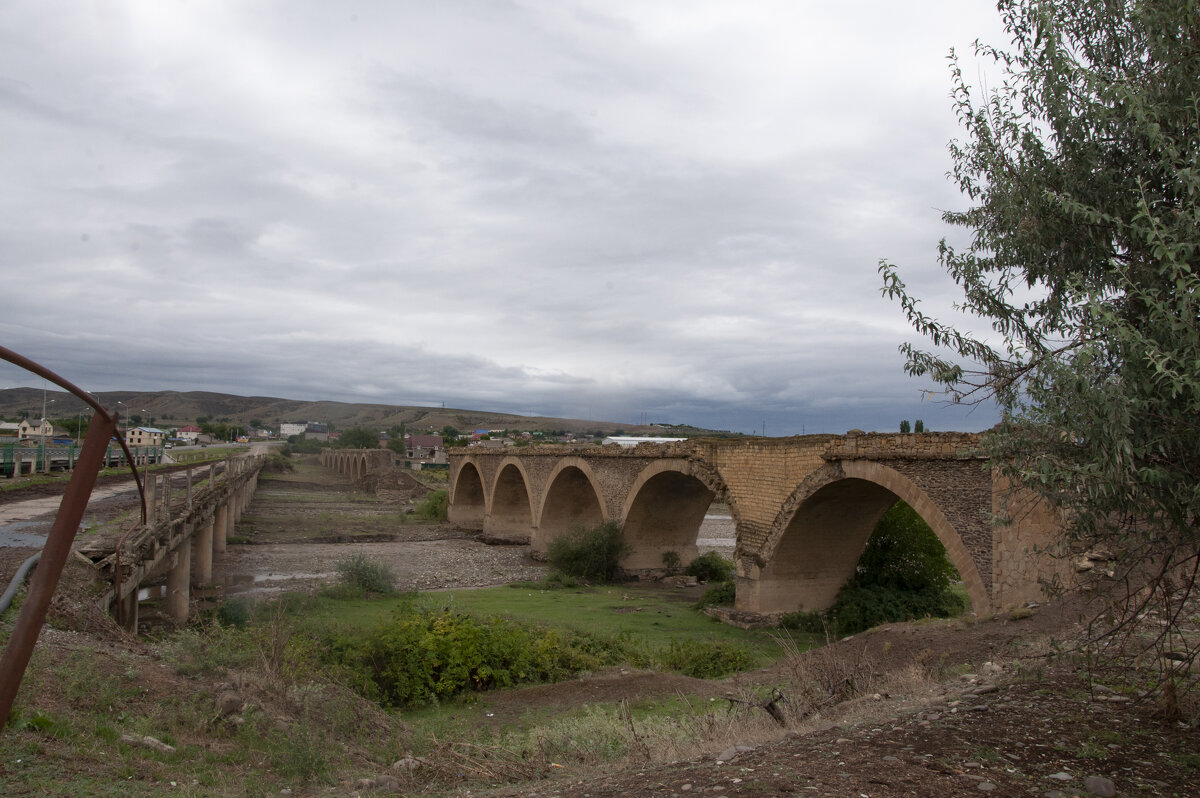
x,y
1082,171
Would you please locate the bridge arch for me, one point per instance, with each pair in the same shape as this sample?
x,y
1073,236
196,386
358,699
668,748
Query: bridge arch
x,y
510,512
571,499
662,513
816,541
467,506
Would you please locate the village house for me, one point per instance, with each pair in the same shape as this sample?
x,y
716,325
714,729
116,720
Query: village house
x,y
428,448
35,429
190,433
145,436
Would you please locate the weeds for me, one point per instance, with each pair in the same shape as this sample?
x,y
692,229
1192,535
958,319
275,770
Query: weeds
x,y
720,594
710,660
592,553
434,506
361,576
710,567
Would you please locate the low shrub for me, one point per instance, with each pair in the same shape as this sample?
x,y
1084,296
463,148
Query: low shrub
x,y
811,622
433,507
719,595
430,656
235,612
710,567
361,576
704,660
670,560
592,553
860,607
279,462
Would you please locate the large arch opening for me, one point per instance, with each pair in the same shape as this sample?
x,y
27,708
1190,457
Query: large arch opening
x,y
511,515
664,515
817,551
819,548
570,501
467,508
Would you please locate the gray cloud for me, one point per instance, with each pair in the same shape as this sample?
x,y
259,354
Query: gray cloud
x,y
580,209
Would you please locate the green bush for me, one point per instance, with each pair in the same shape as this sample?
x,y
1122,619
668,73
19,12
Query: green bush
x,y
860,607
904,554
430,656
358,438
720,594
278,462
701,660
811,622
433,507
593,554
235,612
670,560
361,576
710,567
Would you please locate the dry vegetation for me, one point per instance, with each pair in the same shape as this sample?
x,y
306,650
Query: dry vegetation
x,y
921,709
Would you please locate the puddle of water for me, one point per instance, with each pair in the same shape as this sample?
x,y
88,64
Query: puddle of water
x,y
11,535
252,583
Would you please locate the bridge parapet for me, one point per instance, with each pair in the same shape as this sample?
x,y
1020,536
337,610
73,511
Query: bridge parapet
x,y
906,446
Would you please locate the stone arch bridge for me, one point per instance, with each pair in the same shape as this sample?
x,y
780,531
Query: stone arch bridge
x,y
803,507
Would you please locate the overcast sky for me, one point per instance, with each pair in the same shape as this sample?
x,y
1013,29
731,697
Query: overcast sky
x,y
607,209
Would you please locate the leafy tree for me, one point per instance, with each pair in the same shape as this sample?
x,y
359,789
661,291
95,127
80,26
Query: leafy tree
x,y
905,426
1082,168
358,438
450,432
919,426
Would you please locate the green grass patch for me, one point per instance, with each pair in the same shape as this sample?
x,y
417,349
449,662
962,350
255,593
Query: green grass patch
x,y
652,615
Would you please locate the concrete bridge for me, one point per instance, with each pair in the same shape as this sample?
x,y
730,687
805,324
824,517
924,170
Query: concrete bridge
x,y
803,507
186,524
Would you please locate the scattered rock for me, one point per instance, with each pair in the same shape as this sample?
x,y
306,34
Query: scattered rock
x,y
1060,776
408,763
229,703
147,742
387,783
732,751
1101,786
985,786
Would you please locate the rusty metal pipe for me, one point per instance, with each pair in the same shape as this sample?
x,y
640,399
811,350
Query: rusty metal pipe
x,y
54,556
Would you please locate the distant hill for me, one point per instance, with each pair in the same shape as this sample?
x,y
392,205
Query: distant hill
x,y
176,408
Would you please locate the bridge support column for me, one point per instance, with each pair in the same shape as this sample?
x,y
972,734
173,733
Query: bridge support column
x,y
127,608
220,527
202,554
179,580
150,484
230,515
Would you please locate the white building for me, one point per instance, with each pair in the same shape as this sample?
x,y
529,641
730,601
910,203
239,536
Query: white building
x,y
634,440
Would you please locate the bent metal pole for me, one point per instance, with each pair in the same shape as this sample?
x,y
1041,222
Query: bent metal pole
x,y
54,556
